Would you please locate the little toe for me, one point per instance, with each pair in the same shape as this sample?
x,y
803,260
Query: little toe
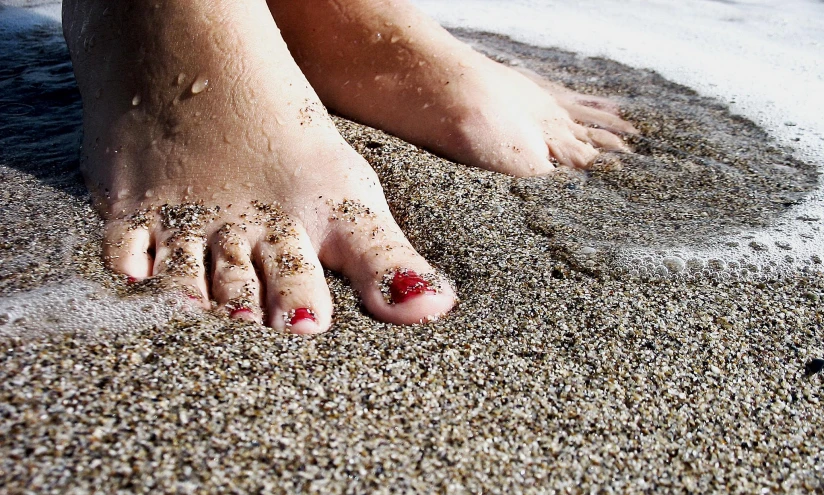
x,y
297,297
235,284
396,284
179,258
126,249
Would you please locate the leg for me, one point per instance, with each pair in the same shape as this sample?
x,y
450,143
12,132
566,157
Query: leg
x,y
384,63
201,133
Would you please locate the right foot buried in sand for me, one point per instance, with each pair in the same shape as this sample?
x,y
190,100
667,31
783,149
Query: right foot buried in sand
x,y
215,142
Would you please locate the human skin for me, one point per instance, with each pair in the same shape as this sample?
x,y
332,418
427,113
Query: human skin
x,y
255,141
386,64
202,134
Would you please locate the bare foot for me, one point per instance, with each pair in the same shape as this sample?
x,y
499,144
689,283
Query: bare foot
x,y
202,135
386,64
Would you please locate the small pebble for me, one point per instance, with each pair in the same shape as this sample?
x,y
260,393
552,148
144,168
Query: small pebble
x,y
813,366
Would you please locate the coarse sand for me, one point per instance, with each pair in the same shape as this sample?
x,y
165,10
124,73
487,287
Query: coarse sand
x,y
563,369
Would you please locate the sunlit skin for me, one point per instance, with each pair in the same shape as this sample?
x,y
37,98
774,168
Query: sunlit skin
x,y
386,64
202,134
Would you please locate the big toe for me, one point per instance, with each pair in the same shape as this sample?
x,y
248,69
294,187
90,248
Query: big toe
x,y
396,283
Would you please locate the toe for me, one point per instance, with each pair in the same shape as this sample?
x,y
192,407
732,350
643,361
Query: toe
x,y
606,140
600,138
565,147
235,284
179,258
603,119
126,249
396,284
297,297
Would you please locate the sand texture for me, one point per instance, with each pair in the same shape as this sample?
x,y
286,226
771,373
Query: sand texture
x,y
563,369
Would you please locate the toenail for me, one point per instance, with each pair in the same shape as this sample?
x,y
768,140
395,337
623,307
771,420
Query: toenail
x,y
298,315
407,284
131,280
239,312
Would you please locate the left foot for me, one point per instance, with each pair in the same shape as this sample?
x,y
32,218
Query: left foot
x,y
389,66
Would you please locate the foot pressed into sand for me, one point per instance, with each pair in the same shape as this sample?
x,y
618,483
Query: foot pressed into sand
x,y
201,135
388,65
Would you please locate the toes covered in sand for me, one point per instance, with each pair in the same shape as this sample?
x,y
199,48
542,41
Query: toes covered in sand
x,y
235,284
179,260
265,267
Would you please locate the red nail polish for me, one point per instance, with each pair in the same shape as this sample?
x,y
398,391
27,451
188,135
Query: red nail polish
x,y
407,284
131,280
240,312
301,314
193,297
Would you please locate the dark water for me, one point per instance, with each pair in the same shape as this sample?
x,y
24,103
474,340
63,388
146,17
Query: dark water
x,y
40,110
45,214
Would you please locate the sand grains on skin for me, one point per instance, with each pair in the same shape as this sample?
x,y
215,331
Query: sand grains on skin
x,y
262,281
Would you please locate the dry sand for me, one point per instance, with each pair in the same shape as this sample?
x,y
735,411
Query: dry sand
x,y
560,370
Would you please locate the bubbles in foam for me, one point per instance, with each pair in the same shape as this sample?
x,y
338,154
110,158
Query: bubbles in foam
x,y
674,264
79,305
758,255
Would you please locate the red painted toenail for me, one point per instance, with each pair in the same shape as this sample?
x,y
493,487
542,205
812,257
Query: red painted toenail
x,y
131,280
301,314
407,284
241,312
193,298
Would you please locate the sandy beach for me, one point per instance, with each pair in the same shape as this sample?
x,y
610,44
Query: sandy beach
x,y
623,330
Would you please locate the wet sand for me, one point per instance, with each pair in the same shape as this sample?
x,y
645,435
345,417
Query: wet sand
x,y
562,369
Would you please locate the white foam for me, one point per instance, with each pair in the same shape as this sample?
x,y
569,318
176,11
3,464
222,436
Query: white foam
x,y
81,306
19,15
762,58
